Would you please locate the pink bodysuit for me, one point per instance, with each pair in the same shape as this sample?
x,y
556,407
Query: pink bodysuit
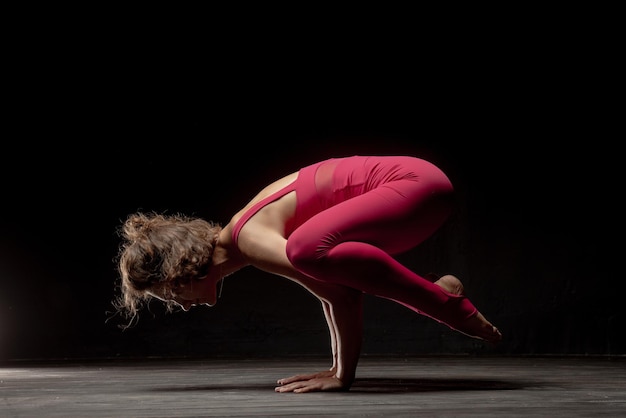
x,y
354,213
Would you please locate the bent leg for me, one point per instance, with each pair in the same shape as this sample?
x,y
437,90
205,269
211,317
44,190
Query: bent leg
x,y
351,244
373,271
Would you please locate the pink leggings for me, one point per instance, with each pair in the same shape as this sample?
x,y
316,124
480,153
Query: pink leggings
x,y
352,243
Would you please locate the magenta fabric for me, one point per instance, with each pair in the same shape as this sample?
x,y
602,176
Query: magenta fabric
x,y
354,213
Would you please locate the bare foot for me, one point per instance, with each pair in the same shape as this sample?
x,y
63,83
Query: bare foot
x,y
451,284
476,326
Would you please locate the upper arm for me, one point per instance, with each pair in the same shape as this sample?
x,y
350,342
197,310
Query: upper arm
x,y
265,249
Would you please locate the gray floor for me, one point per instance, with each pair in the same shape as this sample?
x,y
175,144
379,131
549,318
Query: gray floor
x,y
422,386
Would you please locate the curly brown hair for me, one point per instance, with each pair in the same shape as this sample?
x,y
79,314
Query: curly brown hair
x,y
159,252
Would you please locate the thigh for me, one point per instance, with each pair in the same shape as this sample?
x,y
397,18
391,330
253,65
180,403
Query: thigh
x,y
395,217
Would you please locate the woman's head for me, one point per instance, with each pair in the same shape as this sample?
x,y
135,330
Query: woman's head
x,y
160,253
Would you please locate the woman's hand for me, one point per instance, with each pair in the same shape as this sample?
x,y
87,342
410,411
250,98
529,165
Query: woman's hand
x,y
314,382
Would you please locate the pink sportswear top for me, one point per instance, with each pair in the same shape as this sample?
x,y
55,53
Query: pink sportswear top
x,y
326,183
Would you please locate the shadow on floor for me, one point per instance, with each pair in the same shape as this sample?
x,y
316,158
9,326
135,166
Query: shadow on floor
x,y
380,385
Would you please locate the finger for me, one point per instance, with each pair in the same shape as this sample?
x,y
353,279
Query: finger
x,y
288,388
296,378
309,388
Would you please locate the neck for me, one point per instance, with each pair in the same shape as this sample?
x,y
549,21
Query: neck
x,y
227,259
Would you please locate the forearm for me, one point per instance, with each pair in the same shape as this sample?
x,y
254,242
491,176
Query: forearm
x,y
343,309
347,319
332,332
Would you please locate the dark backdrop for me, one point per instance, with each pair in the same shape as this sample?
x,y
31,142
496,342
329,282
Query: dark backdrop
x,y
103,131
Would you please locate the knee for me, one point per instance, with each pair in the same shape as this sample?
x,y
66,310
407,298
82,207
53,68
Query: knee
x,y
301,253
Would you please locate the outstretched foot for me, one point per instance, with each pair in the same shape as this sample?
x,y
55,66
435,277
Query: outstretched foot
x,y
476,326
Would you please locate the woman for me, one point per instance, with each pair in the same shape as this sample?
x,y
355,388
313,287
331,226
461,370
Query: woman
x,y
333,227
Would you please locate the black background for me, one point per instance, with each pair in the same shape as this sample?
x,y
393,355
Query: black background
x,y
104,120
